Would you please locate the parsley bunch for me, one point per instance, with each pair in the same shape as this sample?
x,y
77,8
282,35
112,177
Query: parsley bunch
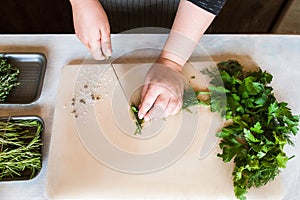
x,y
8,78
261,126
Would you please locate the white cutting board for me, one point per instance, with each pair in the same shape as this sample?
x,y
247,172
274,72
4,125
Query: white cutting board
x,y
94,154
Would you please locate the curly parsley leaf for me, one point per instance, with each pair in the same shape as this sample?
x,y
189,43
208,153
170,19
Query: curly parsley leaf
x,y
261,126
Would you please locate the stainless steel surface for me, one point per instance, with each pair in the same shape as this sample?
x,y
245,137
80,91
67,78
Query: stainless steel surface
x,y
32,68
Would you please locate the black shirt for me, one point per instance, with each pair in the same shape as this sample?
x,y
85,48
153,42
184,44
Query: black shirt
x,y
127,15
212,6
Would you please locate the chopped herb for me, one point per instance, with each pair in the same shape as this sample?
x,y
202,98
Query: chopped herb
x,y
82,101
139,122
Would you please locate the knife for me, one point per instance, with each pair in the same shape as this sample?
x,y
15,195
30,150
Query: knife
x,y
130,77
120,83
133,107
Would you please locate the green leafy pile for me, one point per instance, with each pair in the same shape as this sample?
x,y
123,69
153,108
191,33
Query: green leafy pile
x,y
8,78
260,125
20,148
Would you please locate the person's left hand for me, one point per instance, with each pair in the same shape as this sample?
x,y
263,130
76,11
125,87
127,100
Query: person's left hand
x,y
163,90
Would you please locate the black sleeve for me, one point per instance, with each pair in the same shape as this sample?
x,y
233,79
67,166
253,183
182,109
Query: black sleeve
x,y
212,6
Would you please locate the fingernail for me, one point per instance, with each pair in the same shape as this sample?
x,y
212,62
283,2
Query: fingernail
x,y
107,52
140,116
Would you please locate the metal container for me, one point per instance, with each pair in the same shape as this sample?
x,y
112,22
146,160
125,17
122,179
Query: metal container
x,y
32,68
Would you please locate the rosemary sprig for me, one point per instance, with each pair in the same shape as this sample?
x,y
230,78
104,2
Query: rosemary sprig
x,y
20,148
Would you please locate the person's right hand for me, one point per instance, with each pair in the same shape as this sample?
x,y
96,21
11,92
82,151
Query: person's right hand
x,y
162,94
92,27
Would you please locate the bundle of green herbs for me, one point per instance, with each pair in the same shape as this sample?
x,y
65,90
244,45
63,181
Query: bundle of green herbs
x,y
8,78
260,125
20,148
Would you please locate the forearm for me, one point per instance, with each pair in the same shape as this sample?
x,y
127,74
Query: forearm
x,y
190,23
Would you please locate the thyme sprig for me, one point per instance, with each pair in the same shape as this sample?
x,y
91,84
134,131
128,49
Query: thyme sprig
x,y
8,78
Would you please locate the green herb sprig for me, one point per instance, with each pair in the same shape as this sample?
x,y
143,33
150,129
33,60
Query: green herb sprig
x,y
8,78
138,122
20,148
261,126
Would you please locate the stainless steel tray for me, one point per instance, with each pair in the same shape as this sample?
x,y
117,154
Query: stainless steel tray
x,y
27,173
32,68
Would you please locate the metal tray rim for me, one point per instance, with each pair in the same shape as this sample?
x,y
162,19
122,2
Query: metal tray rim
x,y
41,78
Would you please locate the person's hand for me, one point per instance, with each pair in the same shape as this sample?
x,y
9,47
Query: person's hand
x,y
163,90
92,27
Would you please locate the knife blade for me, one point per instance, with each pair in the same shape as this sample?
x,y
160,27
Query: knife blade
x,y
130,77
121,85
133,107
